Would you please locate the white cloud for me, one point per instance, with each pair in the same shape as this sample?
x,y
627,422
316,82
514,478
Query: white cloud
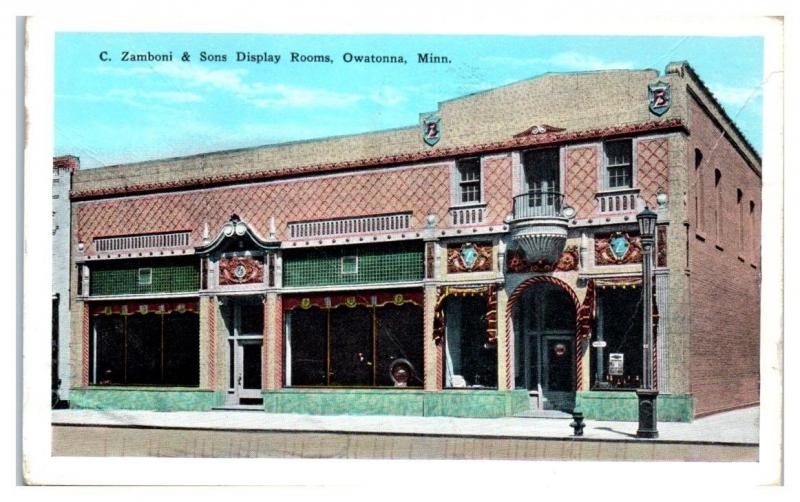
x,y
388,96
735,96
578,61
569,60
138,98
234,81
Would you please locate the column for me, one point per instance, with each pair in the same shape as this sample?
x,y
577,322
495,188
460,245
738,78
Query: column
x,y
272,363
205,354
432,352
505,372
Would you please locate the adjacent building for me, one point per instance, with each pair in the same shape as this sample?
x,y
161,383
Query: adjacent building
x,y
63,169
483,262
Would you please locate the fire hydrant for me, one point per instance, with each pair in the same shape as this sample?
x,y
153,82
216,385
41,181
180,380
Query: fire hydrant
x,y
577,422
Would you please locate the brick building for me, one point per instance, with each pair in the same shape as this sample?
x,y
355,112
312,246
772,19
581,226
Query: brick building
x,y
481,263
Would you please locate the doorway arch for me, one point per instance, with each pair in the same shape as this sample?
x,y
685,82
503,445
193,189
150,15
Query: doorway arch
x,y
581,321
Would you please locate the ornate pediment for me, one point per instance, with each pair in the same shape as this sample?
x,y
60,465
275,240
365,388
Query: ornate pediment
x,y
539,129
235,234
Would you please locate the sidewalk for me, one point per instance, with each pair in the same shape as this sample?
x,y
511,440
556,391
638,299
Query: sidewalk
x,y
735,427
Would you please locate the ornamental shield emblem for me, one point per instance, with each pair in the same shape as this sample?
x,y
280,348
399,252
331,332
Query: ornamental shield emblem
x,y
431,129
659,96
619,246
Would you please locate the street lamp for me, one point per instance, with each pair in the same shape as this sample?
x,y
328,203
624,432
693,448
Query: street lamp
x,y
647,395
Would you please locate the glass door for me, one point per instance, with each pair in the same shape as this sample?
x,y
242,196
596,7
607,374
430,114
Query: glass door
x,y
542,181
244,318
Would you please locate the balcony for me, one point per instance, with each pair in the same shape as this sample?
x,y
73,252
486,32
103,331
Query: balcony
x,y
539,225
618,201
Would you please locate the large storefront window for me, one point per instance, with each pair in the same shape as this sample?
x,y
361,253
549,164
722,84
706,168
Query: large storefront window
x,y
145,345
469,359
354,341
617,339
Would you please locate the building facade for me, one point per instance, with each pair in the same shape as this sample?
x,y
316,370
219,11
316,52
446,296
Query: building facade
x,y
63,169
481,263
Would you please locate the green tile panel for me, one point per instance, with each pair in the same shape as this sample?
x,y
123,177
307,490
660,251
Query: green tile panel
x,y
145,398
397,262
453,403
623,406
121,277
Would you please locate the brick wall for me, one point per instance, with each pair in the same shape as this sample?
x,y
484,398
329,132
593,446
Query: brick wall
x,y
423,190
724,281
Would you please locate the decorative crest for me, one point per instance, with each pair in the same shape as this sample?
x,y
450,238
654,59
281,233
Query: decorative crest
x,y
431,129
659,96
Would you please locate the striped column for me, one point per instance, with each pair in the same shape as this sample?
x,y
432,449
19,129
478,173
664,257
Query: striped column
x,y
211,360
278,353
85,346
504,370
272,344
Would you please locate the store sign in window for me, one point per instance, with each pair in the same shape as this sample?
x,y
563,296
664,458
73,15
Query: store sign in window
x,y
616,364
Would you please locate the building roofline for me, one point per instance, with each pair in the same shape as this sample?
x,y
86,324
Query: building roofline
x,y
678,67
544,75
385,161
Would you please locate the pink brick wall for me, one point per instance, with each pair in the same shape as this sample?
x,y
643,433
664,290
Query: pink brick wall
x,y
652,169
724,355
422,190
581,179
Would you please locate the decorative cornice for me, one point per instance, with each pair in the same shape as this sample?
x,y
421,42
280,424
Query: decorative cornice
x,y
385,161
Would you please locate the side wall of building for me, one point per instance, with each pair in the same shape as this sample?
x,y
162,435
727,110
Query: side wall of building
x,y
61,268
724,263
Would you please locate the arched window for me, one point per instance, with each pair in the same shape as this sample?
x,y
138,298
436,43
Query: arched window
x,y
699,199
740,216
753,236
718,206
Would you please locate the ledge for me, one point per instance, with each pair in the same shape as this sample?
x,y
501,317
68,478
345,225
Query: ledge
x,y
700,235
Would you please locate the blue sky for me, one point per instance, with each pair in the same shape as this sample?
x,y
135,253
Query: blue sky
x,y
116,112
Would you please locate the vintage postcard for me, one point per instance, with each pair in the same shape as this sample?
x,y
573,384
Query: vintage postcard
x,y
430,246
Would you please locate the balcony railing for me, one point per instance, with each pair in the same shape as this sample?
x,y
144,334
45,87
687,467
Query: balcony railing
x,y
538,204
617,202
469,215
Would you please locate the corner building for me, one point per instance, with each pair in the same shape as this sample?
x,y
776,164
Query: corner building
x,y
482,263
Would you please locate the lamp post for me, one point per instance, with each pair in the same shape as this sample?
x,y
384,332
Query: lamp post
x,y
648,417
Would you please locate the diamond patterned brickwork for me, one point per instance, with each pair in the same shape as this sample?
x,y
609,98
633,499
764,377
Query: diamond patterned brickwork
x,y
422,190
497,190
581,180
653,169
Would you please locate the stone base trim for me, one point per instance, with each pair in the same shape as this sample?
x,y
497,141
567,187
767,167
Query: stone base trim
x,y
140,398
623,406
450,403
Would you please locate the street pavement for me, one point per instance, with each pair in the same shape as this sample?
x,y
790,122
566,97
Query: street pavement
x,y
734,427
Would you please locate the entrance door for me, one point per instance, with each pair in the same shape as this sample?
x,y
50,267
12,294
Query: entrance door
x,y
244,319
558,367
547,346
248,369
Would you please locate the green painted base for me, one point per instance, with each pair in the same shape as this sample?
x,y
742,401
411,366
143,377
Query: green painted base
x,y
623,406
450,403
144,398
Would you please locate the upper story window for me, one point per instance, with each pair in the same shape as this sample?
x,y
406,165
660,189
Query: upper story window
x,y
542,170
618,164
469,181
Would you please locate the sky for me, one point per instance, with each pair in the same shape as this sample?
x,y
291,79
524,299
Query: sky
x,y
112,112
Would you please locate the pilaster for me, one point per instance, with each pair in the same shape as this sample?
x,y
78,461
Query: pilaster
x,y
432,351
504,370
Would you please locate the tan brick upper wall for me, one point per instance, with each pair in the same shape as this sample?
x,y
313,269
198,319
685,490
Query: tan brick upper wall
x,y
575,101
